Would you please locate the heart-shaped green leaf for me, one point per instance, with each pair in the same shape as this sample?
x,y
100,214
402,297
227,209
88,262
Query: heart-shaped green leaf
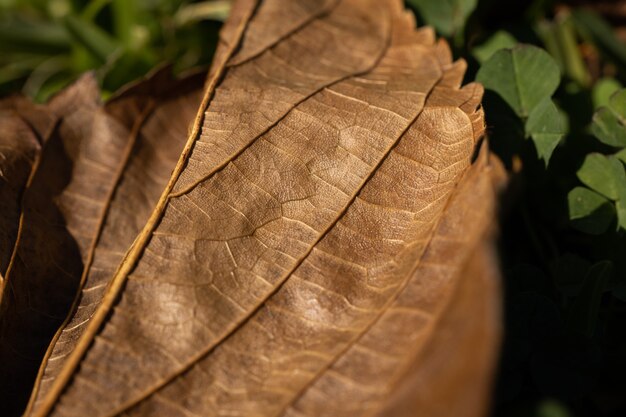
x,y
589,211
546,128
609,122
604,174
523,76
603,90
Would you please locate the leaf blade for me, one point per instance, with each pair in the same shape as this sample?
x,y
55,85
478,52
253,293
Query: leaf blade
x,y
233,198
523,76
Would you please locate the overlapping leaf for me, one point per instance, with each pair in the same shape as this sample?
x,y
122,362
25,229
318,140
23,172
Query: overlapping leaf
x,y
59,218
323,235
158,141
23,128
64,207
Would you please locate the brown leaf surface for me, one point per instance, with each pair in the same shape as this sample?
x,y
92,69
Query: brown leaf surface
x,y
19,149
453,375
328,245
23,128
321,220
158,144
458,232
378,372
59,217
67,197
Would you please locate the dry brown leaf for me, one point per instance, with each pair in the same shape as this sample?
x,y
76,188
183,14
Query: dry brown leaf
x,y
157,146
379,371
323,246
453,375
327,174
65,208
24,126
59,218
19,149
463,225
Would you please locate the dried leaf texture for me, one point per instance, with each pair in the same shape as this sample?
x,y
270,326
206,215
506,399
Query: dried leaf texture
x,y
37,116
370,373
445,381
24,126
19,149
327,304
59,218
327,154
254,97
169,108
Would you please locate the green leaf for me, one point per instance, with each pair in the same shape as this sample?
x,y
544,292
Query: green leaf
x,y
523,76
604,174
560,40
546,128
617,103
583,314
447,16
607,128
589,212
26,37
603,90
98,42
93,8
125,68
609,122
621,155
500,40
124,20
620,208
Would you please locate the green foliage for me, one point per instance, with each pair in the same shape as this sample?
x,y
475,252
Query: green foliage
x,y
499,40
596,30
559,38
554,75
546,127
44,45
603,174
525,77
609,122
552,409
606,174
447,16
589,211
603,90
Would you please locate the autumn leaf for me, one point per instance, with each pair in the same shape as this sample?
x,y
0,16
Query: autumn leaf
x,y
74,191
58,220
18,151
320,243
157,145
24,126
